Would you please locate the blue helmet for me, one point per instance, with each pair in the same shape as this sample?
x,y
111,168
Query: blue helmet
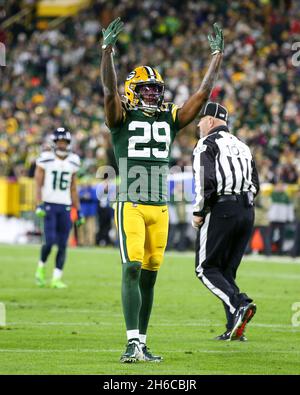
x,y
60,134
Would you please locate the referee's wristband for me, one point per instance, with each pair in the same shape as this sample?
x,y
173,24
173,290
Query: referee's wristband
x,y
105,47
198,213
202,213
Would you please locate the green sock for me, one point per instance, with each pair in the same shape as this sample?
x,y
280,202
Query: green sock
x,y
147,281
131,295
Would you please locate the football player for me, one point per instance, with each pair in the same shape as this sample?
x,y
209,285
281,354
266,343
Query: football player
x,y
143,128
56,192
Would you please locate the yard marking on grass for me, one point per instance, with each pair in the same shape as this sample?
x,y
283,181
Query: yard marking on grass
x,y
18,259
64,310
272,259
272,327
186,351
281,260
276,276
248,258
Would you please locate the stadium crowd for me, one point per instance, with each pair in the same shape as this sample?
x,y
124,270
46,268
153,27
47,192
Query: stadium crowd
x,y
52,77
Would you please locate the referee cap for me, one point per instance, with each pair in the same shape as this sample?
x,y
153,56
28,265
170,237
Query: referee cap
x,y
214,110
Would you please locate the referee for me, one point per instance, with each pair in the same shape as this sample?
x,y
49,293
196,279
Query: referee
x,y
226,183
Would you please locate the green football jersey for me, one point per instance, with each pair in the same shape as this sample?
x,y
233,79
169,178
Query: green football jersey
x,y
142,149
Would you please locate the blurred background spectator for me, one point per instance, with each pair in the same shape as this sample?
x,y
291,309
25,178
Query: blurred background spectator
x,y
281,213
261,227
296,246
89,208
106,194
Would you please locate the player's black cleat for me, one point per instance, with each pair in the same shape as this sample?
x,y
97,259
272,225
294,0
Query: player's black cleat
x,y
148,356
133,353
243,315
226,337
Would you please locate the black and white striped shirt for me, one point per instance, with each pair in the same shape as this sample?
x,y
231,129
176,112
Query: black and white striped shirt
x,y
223,165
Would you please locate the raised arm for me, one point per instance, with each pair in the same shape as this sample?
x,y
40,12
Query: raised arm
x,y
112,100
191,108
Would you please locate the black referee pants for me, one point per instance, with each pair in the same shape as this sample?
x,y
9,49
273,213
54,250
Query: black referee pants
x,y
220,245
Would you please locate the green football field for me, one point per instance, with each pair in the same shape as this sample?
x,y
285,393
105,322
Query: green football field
x,y
80,330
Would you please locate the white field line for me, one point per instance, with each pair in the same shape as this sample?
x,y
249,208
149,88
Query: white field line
x,y
277,276
258,274
179,351
190,254
172,254
273,327
99,311
252,258
18,259
178,372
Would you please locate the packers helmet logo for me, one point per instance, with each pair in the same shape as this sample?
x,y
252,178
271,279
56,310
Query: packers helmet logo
x,y
144,88
131,75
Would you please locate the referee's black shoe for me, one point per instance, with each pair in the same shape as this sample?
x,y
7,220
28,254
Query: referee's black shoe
x,y
226,337
243,315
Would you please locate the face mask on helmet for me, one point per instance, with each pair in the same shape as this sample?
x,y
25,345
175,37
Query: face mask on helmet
x,y
144,89
62,148
61,142
150,95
